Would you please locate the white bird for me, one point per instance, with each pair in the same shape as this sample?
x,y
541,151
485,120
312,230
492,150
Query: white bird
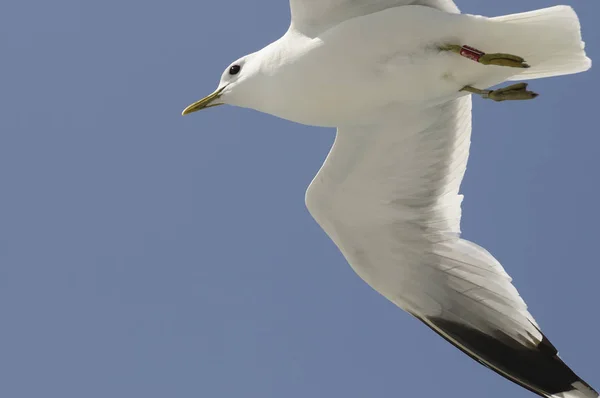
x,y
396,77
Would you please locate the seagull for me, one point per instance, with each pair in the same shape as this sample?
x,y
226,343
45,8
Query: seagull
x,y
396,78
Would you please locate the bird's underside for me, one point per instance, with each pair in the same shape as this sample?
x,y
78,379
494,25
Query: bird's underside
x,y
388,192
388,197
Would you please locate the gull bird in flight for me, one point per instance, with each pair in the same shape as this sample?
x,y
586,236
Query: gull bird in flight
x,y
396,77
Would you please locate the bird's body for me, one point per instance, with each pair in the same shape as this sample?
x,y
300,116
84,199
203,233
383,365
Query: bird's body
x,y
398,62
388,193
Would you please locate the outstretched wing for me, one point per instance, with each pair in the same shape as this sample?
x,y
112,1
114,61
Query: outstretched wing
x,y
312,17
388,197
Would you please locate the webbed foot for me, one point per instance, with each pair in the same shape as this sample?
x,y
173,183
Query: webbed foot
x,y
515,92
497,59
500,59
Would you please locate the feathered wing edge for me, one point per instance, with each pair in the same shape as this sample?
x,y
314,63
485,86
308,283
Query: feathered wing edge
x,y
539,370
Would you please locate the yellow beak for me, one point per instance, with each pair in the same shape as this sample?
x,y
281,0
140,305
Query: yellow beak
x,y
204,103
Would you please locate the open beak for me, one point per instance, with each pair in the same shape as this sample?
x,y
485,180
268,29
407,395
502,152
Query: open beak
x,y
207,102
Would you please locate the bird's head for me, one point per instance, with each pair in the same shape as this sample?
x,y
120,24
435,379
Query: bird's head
x,y
238,86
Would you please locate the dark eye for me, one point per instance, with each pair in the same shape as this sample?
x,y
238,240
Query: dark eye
x,y
235,69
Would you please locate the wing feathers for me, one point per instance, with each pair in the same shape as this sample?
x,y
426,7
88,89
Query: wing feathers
x,y
313,17
388,197
539,369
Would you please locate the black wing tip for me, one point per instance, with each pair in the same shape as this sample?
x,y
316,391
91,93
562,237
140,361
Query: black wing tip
x,y
538,369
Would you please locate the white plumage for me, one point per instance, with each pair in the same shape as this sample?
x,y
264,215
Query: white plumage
x,y
388,193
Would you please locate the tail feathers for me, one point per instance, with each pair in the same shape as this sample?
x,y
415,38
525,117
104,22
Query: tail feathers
x,y
550,41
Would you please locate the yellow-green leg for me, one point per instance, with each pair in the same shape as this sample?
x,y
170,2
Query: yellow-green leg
x,y
498,59
516,92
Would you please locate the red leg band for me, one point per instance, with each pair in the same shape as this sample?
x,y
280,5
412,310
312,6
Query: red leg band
x,y
471,53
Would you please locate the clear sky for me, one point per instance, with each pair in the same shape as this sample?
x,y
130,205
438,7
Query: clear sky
x,y
143,254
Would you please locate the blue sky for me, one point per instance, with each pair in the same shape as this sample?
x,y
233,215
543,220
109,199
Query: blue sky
x,y
143,254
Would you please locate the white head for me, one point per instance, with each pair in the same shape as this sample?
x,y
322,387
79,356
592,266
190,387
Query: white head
x,y
240,86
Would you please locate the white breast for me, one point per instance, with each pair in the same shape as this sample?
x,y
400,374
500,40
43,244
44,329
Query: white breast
x,y
386,58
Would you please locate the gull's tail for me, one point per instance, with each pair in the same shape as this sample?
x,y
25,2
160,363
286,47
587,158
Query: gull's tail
x,y
549,39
